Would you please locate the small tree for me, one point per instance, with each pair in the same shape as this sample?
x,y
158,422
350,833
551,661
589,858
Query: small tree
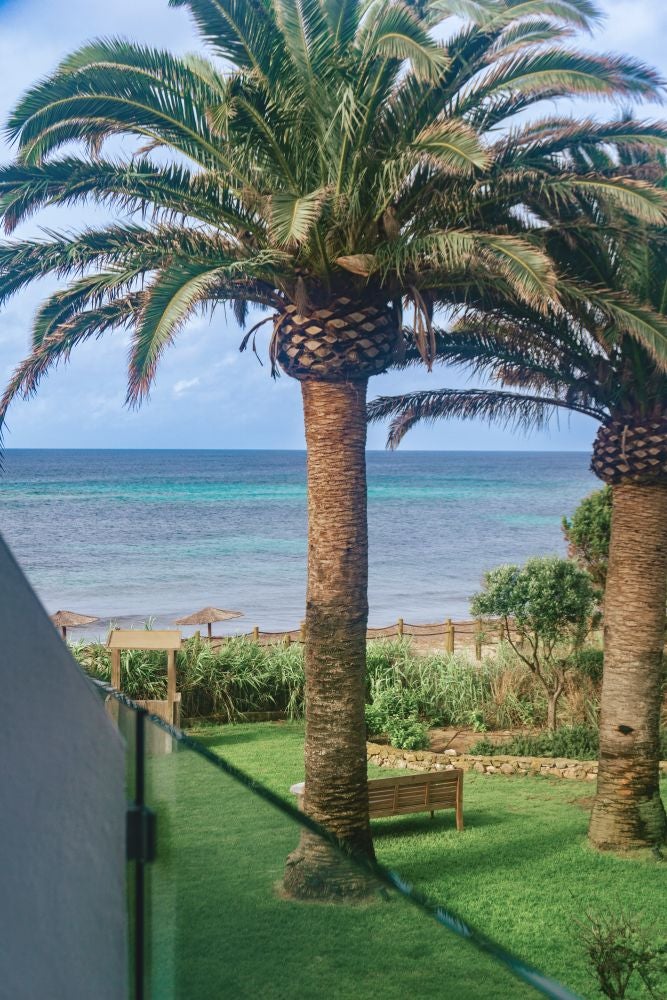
x,y
547,605
589,532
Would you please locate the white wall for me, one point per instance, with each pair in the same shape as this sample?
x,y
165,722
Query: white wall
x,y
62,802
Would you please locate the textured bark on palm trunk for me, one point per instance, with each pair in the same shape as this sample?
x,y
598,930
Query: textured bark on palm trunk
x,y
628,812
336,793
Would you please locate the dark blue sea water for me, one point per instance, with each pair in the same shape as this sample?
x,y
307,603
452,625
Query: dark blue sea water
x,y
133,534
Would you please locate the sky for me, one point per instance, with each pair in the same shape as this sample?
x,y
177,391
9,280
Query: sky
x,y
207,395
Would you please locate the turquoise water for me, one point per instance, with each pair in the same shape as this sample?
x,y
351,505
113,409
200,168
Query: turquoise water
x,y
132,534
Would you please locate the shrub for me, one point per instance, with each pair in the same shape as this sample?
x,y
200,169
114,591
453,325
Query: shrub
x,y
589,662
408,734
578,742
549,604
376,722
621,953
589,532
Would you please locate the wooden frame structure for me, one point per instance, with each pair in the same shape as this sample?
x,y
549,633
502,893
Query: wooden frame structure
x,y
167,640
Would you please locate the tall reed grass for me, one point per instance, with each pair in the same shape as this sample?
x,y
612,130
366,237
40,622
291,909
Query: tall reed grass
x,y
240,677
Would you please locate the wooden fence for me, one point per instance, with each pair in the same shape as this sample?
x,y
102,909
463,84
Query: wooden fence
x,y
448,635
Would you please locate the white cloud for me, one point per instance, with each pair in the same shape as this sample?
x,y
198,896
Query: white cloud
x,y
184,385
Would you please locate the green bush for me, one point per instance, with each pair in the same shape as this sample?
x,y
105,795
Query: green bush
x,y
589,662
577,742
589,532
547,607
408,734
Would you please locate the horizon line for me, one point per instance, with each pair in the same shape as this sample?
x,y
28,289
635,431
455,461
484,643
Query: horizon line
x,y
383,451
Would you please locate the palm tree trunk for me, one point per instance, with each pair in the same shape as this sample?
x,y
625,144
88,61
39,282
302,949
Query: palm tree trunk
x,y
336,792
628,812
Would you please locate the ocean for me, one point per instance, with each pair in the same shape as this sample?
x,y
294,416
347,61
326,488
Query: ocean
x,y
131,535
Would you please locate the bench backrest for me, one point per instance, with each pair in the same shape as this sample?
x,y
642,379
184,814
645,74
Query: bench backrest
x,y
408,793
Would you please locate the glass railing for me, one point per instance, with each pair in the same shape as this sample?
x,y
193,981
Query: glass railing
x,y
210,917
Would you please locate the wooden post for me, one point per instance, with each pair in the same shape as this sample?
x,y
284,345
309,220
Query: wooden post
x,y
255,633
399,626
478,639
115,669
171,685
302,632
449,633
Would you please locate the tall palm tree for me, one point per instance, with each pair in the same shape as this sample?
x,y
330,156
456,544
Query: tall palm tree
x,y
611,366
334,163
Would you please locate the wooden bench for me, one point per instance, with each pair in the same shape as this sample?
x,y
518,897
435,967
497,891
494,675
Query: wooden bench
x,y
411,793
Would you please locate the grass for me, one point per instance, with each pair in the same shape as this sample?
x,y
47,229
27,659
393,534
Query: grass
x,y
521,871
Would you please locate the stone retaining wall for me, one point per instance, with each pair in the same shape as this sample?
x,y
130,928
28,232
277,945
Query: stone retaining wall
x,y
423,760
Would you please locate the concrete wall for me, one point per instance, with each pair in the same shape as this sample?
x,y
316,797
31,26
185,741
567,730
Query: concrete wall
x,y
62,864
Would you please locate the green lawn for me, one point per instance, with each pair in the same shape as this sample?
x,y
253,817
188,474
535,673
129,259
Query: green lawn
x,y
521,871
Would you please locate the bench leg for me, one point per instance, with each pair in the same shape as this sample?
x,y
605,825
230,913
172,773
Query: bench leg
x,y
459,804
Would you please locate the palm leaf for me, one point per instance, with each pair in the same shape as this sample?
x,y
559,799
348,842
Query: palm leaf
x,y
527,269
452,144
391,31
59,345
294,217
519,410
242,31
174,294
562,71
170,190
644,202
582,14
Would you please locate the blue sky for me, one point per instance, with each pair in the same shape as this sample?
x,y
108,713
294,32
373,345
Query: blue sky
x,y
207,395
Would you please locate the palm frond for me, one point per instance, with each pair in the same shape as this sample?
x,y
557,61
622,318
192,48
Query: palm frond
x,y
625,317
293,217
518,410
582,14
113,87
170,190
527,269
392,31
120,313
636,198
176,292
171,299
561,71
242,31
452,144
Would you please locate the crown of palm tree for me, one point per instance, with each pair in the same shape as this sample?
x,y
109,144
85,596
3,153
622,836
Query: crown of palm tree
x,y
603,354
330,145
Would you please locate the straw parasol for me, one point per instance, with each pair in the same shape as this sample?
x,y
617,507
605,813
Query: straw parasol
x,y
207,616
70,619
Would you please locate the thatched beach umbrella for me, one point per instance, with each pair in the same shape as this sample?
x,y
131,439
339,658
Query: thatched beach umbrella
x,y
207,616
70,619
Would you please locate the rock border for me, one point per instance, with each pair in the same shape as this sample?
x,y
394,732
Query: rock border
x,y
381,755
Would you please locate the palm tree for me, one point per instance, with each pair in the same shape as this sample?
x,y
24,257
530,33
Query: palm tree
x,y
611,366
334,163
